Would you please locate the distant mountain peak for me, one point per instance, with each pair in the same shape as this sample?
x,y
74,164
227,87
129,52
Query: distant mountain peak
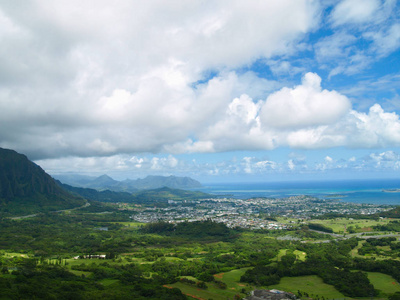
x,y
104,176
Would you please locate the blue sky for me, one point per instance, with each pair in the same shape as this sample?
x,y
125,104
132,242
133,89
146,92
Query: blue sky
x,y
238,91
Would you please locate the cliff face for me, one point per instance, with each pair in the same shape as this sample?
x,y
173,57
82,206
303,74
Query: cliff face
x,y
22,182
19,177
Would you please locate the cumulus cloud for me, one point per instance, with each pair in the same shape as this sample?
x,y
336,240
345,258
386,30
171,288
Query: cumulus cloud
x,y
123,78
303,106
375,129
176,77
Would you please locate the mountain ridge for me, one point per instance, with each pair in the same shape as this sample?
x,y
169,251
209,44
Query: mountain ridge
x,y
26,188
105,182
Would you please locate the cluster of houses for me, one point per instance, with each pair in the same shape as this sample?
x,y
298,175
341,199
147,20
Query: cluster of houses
x,y
246,213
270,295
91,256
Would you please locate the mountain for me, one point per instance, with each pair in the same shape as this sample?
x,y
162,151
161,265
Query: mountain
x,y
154,182
25,188
101,196
160,195
105,182
75,179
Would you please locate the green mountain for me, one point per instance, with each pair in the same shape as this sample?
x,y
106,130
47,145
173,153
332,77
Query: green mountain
x,y
101,196
160,195
25,188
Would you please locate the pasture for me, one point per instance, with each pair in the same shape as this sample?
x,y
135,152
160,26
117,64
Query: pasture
x,y
312,285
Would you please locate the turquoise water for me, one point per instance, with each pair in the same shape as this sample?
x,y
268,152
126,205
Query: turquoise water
x,y
357,191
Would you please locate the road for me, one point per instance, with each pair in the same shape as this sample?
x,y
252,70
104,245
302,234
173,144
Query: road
x,y
56,211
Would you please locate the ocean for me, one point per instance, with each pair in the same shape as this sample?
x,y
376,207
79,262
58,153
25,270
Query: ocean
x,y
356,191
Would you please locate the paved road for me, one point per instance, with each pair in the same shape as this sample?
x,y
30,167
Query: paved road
x,y
360,235
57,211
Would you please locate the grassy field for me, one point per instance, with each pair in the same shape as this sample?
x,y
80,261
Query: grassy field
x,y
281,253
354,252
15,254
107,282
338,225
210,293
313,285
300,255
131,225
213,292
384,283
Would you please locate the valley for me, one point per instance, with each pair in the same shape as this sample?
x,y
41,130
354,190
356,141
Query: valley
x,y
200,258
64,242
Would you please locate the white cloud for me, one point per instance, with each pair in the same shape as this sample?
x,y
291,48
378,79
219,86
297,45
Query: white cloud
x,y
163,163
125,74
385,41
303,106
132,77
375,129
334,46
354,11
253,165
284,68
339,53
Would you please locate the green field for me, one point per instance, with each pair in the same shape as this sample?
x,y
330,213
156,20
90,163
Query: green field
x,y
231,279
313,285
131,225
384,283
300,255
354,252
338,225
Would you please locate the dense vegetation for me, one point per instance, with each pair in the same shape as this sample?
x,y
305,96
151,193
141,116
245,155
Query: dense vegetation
x,y
43,281
95,251
197,230
331,262
141,259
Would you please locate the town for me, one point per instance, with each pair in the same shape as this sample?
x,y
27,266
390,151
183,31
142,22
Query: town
x,y
254,213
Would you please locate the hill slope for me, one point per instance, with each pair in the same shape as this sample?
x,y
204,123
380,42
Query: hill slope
x,y
160,195
25,188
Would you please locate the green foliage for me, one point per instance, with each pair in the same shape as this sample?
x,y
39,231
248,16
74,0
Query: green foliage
x,y
103,196
391,226
197,229
54,282
140,260
158,227
323,260
395,296
320,227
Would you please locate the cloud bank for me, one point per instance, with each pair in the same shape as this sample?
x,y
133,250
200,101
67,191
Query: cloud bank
x,y
177,77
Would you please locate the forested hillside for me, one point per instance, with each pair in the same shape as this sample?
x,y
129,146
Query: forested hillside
x,y
26,188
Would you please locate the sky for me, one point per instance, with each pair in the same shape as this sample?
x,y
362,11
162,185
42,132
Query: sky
x,y
215,90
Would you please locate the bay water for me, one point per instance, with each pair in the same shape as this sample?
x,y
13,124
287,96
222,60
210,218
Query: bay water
x,y
380,191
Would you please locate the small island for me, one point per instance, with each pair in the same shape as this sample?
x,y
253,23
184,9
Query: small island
x,y
391,191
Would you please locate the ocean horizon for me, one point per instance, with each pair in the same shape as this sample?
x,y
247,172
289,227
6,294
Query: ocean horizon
x,y
373,191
